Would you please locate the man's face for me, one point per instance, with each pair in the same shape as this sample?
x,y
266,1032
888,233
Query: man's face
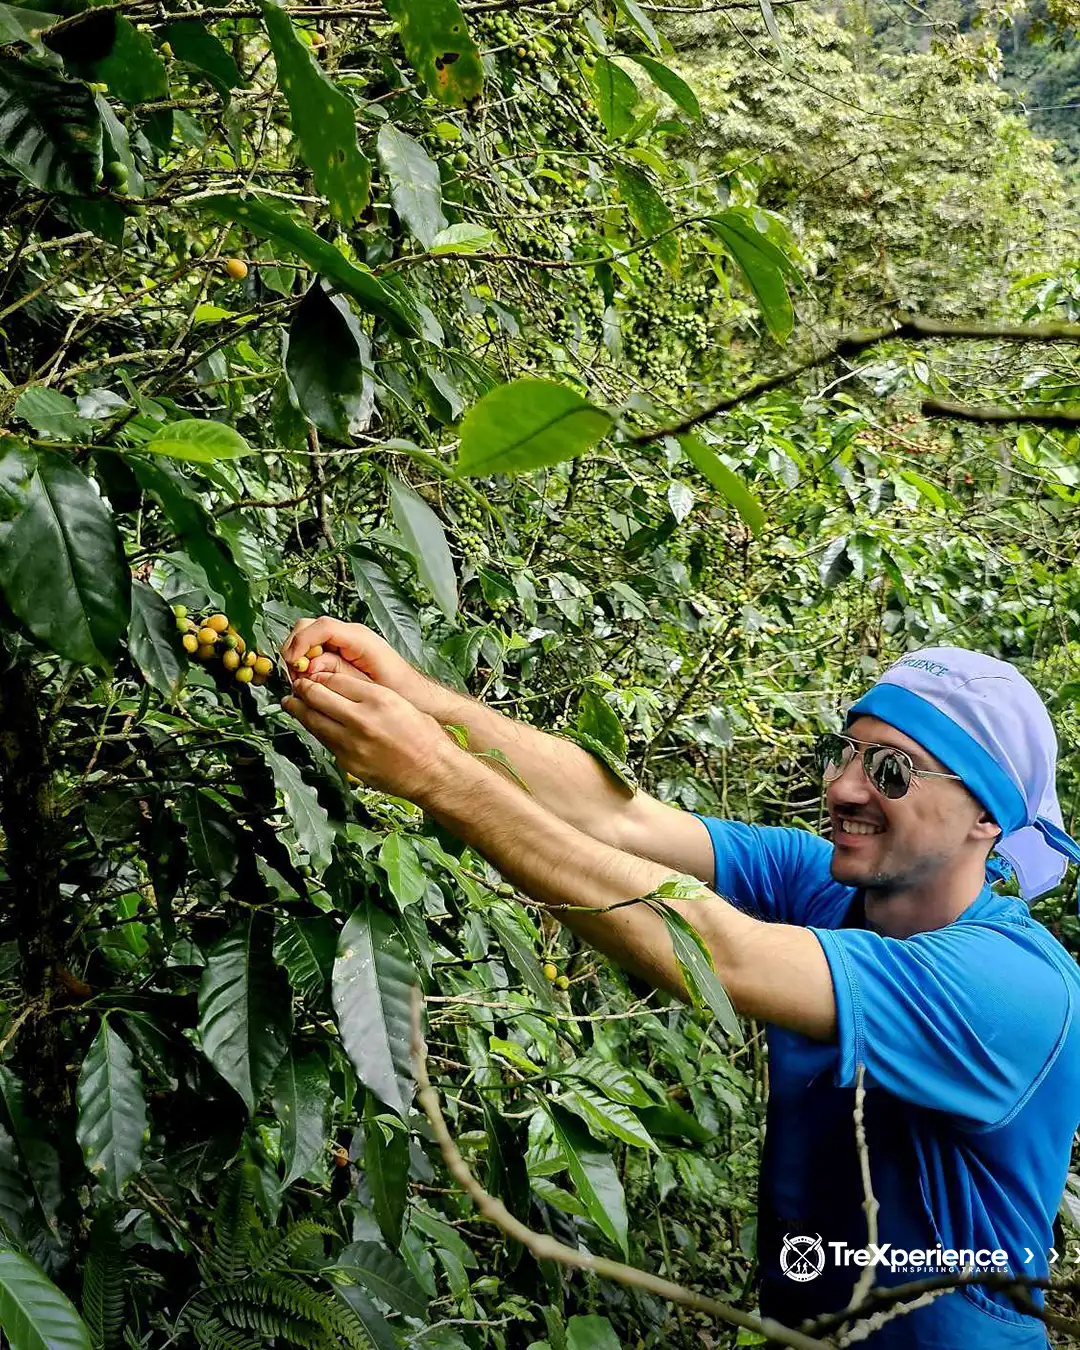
x,y
891,846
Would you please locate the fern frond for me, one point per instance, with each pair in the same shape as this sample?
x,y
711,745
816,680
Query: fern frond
x,y
277,1249
269,1322
213,1334
103,1284
233,1225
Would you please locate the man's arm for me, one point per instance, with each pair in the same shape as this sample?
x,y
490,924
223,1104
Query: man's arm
x,y
776,972
563,777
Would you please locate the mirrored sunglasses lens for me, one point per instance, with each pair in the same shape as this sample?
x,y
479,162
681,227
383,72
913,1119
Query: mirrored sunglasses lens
x,y
832,754
889,772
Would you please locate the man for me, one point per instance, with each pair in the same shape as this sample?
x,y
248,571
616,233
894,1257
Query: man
x,y
886,949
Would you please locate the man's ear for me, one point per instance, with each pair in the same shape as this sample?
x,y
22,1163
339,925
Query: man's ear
x,y
986,827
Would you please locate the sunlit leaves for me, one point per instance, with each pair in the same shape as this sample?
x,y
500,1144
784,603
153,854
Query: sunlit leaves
x,y
763,265
62,567
673,85
323,120
197,440
650,213
112,1124
373,980
437,42
527,424
49,128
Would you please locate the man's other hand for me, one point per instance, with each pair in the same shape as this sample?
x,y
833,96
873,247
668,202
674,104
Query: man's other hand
x,y
356,650
373,732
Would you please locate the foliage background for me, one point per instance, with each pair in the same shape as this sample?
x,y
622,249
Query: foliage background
x,y
206,932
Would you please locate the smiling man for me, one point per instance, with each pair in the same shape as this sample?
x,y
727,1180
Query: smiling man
x,y
885,949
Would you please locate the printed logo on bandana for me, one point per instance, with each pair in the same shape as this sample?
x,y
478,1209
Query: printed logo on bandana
x,y
921,663
802,1257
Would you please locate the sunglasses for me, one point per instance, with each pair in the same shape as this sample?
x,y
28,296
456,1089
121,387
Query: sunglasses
x,y
889,770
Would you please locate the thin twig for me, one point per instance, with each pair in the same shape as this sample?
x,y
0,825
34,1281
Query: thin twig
x,y
870,1203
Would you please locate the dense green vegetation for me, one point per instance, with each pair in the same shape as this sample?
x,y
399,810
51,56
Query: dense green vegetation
x,y
417,317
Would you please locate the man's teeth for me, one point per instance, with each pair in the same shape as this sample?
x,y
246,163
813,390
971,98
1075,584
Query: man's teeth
x,y
859,827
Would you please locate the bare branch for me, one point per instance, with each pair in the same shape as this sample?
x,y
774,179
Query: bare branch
x,y
1053,416
870,1203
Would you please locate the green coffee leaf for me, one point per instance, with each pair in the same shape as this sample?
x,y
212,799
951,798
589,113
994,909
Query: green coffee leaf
x,y
35,1315
594,1175
323,120
152,640
762,264
527,424
650,213
194,439
415,187
194,44
673,85
50,132
328,362
401,863
726,481
699,974
301,1099
439,46
425,538
616,96
112,1125
266,219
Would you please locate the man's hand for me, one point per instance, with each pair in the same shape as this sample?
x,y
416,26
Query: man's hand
x,y
373,732
354,649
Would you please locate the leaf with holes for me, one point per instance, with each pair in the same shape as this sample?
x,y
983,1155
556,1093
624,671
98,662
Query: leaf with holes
x,y
425,538
269,221
112,1124
245,1013
323,120
152,640
50,132
527,424
439,46
650,213
34,1314
372,984
301,1098
726,481
62,566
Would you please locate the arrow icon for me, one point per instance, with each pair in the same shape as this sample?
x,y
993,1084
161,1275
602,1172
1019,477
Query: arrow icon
x,y
1053,1255
1030,1256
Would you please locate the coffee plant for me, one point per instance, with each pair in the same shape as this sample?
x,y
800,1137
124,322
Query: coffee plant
x,y
651,375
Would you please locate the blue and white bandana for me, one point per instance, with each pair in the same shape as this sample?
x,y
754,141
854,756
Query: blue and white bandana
x,y
983,720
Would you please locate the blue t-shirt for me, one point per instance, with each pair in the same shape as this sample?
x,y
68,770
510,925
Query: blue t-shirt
x,y
970,1047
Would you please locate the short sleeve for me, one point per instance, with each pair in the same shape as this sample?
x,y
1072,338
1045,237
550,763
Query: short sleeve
x,y
775,873
965,1019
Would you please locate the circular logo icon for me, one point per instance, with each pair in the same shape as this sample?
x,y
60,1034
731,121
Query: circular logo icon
x,y
802,1257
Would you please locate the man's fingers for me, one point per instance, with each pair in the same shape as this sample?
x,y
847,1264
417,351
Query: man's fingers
x,y
330,732
329,663
347,682
323,632
340,708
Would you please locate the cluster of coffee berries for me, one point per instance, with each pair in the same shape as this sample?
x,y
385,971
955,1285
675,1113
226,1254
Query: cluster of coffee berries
x,y
215,638
551,972
301,663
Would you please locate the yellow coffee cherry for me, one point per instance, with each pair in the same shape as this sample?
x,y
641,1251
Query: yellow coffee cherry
x,y
250,658
191,642
302,664
245,675
236,268
551,971
263,665
313,652
218,622
563,982
205,650
230,660
208,636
